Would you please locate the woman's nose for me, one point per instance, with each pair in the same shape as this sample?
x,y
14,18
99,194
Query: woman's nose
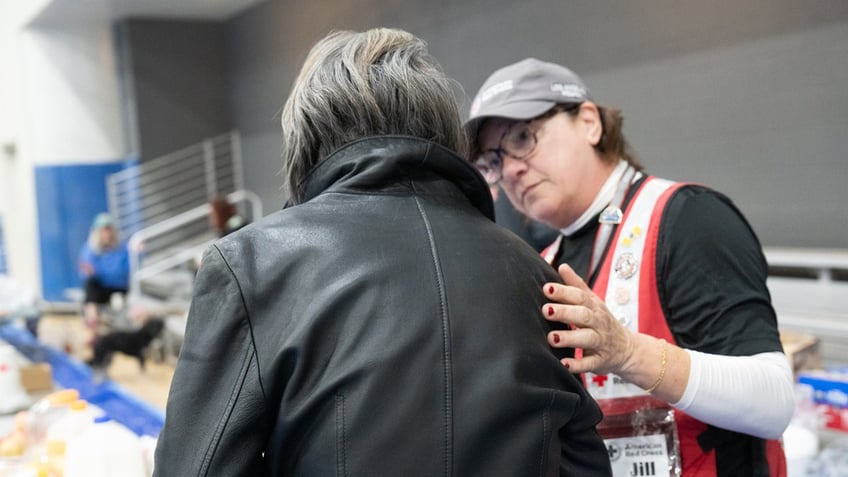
x,y
512,168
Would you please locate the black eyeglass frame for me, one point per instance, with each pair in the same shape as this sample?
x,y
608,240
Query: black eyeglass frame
x,y
490,162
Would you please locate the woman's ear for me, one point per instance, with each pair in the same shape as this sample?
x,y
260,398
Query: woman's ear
x,y
589,116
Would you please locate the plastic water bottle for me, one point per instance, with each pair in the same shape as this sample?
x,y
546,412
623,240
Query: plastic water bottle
x,y
78,418
44,413
105,449
67,428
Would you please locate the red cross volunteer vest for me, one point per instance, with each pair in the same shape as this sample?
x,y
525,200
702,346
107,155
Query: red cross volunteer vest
x,y
644,435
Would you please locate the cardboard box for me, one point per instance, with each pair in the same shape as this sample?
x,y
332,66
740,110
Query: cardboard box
x,y
36,377
802,351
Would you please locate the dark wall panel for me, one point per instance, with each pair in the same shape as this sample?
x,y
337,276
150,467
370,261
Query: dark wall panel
x,y
177,82
747,97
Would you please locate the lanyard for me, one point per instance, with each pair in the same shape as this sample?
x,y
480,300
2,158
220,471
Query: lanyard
x,y
611,216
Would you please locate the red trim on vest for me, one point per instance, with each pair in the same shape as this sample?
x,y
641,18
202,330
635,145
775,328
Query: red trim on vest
x,y
601,282
652,321
695,461
649,297
776,458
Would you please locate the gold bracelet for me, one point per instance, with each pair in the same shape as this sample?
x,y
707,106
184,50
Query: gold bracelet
x,y
662,370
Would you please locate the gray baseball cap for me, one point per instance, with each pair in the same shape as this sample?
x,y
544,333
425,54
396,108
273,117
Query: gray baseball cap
x,y
525,90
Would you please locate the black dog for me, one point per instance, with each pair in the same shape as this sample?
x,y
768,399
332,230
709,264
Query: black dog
x,y
132,343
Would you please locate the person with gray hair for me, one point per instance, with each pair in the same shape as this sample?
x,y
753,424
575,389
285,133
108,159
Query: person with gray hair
x,y
342,335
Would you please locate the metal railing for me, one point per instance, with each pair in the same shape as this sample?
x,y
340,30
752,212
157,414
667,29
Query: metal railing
x,y
143,266
809,292
161,188
821,262
163,204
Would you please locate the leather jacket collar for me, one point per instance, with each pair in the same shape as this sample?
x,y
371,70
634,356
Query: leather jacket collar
x,y
379,162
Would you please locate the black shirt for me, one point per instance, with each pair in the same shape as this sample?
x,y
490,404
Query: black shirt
x,y
711,276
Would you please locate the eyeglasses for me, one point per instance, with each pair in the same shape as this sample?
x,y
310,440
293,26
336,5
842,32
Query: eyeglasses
x,y
517,142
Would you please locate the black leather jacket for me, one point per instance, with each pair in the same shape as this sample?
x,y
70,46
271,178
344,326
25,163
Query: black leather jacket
x,y
384,327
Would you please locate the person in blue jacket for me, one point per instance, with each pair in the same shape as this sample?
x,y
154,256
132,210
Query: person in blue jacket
x,y
104,266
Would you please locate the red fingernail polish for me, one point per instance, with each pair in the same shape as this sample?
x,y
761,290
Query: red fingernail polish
x,y
567,366
551,290
556,338
550,311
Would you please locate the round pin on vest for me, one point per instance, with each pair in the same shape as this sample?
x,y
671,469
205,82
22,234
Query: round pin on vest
x,y
626,265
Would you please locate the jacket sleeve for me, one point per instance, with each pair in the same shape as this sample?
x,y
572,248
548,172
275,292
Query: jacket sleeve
x,y
214,418
581,441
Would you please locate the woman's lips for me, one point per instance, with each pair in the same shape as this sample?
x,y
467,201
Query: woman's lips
x,y
527,190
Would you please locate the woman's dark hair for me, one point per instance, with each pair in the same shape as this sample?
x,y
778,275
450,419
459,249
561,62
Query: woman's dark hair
x,y
612,145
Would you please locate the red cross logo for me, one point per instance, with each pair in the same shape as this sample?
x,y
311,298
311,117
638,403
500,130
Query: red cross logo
x,y
600,379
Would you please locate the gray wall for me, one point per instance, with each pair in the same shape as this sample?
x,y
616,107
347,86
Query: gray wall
x,y
747,97
175,82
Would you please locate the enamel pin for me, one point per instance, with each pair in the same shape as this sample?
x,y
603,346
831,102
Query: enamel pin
x,y
626,265
611,215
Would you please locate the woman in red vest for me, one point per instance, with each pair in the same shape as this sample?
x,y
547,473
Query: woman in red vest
x,y
665,283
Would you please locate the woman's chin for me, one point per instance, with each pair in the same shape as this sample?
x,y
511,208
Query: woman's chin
x,y
542,214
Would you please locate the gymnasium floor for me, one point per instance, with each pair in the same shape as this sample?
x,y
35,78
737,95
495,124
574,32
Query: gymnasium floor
x,y
67,332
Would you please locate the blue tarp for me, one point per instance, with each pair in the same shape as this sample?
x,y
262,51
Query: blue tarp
x,y
115,401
